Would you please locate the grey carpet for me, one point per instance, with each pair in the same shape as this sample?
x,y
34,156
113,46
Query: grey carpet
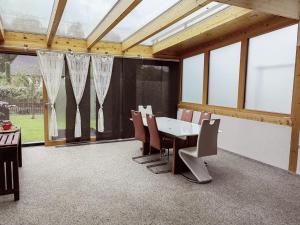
x,y
100,184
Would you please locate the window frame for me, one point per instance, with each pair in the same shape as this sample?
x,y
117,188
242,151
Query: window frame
x,y
240,111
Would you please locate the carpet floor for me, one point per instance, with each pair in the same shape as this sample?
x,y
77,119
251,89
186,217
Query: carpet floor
x,y
100,184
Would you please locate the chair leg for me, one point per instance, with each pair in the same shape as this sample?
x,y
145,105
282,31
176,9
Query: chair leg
x,y
135,159
162,156
197,167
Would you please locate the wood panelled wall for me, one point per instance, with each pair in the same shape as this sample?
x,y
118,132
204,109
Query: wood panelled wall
x,y
292,119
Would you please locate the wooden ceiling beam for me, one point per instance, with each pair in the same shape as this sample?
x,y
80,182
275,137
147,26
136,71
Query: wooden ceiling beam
x,y
55,18
284,8
118,12
171,16
27,43
1,31
217,20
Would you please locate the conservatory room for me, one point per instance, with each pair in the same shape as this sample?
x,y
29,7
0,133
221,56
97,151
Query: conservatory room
x,y
174,112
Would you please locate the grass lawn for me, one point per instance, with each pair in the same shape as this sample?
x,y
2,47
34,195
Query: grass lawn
x,y
32,129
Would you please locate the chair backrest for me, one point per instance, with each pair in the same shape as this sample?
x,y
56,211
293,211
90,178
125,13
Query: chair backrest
x,y
204,116
153,131
196,117
179,113
145,110
139,129
207,143
187,115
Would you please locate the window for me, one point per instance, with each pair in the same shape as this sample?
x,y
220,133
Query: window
x,y
270,75
81,17
21,99
142,14
196,17
224,75
30,16
192,79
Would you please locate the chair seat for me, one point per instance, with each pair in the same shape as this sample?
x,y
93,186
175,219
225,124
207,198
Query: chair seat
x,y
192,151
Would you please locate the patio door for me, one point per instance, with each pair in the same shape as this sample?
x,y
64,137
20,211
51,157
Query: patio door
x,y
21,95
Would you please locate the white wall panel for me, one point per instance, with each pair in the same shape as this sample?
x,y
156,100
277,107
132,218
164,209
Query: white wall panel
x,y
264,142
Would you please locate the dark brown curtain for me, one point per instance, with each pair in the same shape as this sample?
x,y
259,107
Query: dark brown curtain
x,y
112,105
134,82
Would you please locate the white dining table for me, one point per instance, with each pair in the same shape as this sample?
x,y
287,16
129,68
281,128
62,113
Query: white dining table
x,y
184,134
177,128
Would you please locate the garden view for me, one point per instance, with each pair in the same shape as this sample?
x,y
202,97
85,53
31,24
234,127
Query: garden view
x,y
21,89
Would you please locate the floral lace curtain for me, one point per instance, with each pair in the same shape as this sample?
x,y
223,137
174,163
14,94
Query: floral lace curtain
x,y
78,65
102,69
51,65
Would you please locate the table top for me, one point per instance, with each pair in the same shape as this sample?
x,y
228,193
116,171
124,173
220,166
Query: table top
x,y
174,127
9,139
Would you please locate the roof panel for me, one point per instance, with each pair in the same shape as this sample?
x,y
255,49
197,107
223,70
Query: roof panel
x,y
81,17
30,16
143,13
199,15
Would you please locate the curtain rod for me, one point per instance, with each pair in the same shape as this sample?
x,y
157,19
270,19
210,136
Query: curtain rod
x,y
33,50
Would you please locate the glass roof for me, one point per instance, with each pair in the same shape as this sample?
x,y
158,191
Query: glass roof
x,y
81,17
142,14
26,15
199,15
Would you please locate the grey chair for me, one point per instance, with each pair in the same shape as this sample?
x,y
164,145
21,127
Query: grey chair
x,y
206,146
145,110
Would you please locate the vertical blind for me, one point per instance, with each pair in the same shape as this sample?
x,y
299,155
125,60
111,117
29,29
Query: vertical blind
x,y
133,82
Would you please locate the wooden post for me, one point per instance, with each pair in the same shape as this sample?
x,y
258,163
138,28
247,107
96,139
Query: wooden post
x,y
243,73
205,78
180,80
295,112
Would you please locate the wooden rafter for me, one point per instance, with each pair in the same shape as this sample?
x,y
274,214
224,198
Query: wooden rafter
x,y
217,20
119,11
1,31
171,16
56,15
285,8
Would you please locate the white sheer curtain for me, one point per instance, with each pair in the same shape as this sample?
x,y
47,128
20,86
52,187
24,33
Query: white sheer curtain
x,y
51,65
102,69
78,65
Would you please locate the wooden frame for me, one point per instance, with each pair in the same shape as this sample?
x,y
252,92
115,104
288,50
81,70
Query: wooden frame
x,y
118,12
219,19
1,31
57,12
27,43
292,119
243,72
295,111
205,78
260,28
284,8
171,16
269,117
